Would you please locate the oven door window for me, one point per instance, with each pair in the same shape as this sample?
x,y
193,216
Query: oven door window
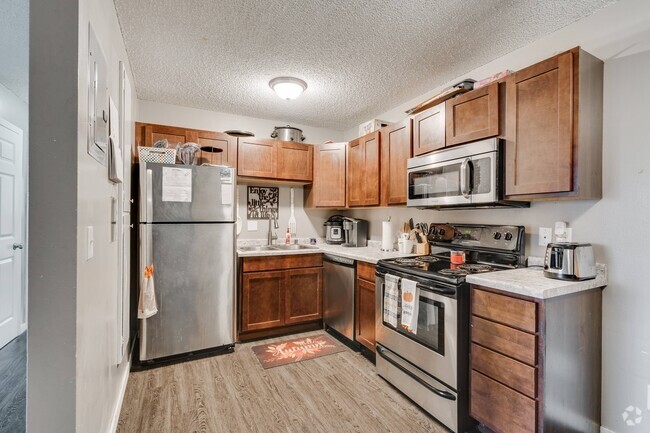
x,y
433,182
431,323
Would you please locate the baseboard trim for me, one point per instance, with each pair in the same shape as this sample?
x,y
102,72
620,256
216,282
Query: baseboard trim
x,y
605,430
118,407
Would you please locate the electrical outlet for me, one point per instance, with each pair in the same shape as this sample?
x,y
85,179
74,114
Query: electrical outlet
x,y
648,403
545,236
568,237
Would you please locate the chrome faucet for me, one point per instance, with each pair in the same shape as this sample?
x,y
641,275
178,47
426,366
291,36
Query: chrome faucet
x,y
271,236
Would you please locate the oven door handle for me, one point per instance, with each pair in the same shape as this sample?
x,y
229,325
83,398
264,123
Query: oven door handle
x,y
466,177
438,392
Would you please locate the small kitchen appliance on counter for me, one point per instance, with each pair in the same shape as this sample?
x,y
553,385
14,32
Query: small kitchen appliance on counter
x,y
430,363
355,232
569,261
334,230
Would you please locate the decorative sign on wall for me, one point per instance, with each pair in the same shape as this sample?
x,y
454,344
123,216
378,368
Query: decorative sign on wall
x,y
263,202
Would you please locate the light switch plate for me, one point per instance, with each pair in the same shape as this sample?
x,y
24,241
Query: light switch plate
x,y
545,236
90,242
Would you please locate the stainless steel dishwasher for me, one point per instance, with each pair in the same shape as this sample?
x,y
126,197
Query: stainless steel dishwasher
x,y
339,274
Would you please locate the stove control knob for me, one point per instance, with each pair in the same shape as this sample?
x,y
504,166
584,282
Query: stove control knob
x,y
496,235
508,236
441,232
433,231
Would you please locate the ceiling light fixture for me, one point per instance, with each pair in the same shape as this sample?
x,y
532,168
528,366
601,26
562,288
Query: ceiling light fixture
x,y
288,87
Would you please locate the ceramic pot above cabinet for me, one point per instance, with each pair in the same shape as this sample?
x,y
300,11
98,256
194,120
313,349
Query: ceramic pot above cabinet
x,y
287,133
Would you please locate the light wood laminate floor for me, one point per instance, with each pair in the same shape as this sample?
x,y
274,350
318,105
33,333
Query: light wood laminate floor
x,y
233,393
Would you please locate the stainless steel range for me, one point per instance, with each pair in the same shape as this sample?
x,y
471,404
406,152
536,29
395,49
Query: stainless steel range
x,y
428,361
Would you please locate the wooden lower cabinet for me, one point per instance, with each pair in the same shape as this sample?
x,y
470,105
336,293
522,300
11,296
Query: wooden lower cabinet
x,y
304,295
263,296
365,305
529,354
279,292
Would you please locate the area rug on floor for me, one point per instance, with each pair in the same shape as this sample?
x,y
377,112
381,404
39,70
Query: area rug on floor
x,y
296,350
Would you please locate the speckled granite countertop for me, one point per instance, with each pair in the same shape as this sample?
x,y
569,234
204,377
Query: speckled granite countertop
x,y
532,282
370,254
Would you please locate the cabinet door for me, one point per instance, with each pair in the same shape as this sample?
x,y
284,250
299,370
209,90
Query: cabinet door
x,y
539,122
429,130
473,115
372,159
147,134
262,304
356,184
295,161
257,157
304,295
365,326
219,140
396,143
329,175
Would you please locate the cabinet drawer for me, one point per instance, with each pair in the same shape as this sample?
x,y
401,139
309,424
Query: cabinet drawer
x,y
513,312
366,271
515,374
508,341
270,263
501,408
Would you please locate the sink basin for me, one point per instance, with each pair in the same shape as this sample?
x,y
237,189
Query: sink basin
x,y
294,247
257,248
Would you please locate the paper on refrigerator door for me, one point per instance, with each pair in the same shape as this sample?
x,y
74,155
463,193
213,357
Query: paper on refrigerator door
x,y
391,296
176,184
410,305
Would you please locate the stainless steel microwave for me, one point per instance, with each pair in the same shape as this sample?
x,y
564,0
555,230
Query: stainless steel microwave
x,y
469,175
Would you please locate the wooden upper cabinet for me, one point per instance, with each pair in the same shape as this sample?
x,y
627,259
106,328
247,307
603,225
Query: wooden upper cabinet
x,y
295,161
396,148
554,129
356,185
372,153
257,157
473,115
146,134
363,182
429,130
328,188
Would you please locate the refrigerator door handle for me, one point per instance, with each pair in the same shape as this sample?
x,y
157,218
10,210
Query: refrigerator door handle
x,y
146,259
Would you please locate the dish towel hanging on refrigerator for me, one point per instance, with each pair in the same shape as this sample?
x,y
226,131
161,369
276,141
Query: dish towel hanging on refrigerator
x,y
147,306
410,305
391,296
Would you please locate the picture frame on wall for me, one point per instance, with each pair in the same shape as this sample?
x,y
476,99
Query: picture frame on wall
x,y
263,203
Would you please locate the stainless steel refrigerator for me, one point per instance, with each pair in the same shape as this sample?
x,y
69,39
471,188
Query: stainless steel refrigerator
x,y
187,231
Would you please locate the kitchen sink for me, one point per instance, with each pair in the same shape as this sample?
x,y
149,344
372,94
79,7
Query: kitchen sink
x,y
294,247
258,248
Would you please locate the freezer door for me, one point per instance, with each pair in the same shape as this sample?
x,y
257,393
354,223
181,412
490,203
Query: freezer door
x,y
194,280
186,193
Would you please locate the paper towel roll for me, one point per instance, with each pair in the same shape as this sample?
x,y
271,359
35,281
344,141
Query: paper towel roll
x,y
386,236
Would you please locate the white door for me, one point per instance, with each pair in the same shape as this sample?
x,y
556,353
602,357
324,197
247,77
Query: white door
x,y
11,230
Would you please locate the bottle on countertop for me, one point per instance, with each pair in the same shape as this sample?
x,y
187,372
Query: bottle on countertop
x,y
287,239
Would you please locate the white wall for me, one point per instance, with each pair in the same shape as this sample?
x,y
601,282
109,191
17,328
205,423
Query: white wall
x,y
174,115
308,225
617,225
15,110
99,380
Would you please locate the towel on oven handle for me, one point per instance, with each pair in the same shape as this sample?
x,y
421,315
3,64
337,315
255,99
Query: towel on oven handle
x,y
391,296
410,305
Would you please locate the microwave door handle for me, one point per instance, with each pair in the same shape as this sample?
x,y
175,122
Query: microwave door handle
x,y
465,177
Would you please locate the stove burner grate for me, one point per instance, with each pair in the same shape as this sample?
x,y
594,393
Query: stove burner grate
x,y
475,269
428,259
407,261
454,272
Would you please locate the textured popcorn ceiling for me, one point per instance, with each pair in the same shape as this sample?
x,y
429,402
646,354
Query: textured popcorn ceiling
x,y
358,57
14,46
